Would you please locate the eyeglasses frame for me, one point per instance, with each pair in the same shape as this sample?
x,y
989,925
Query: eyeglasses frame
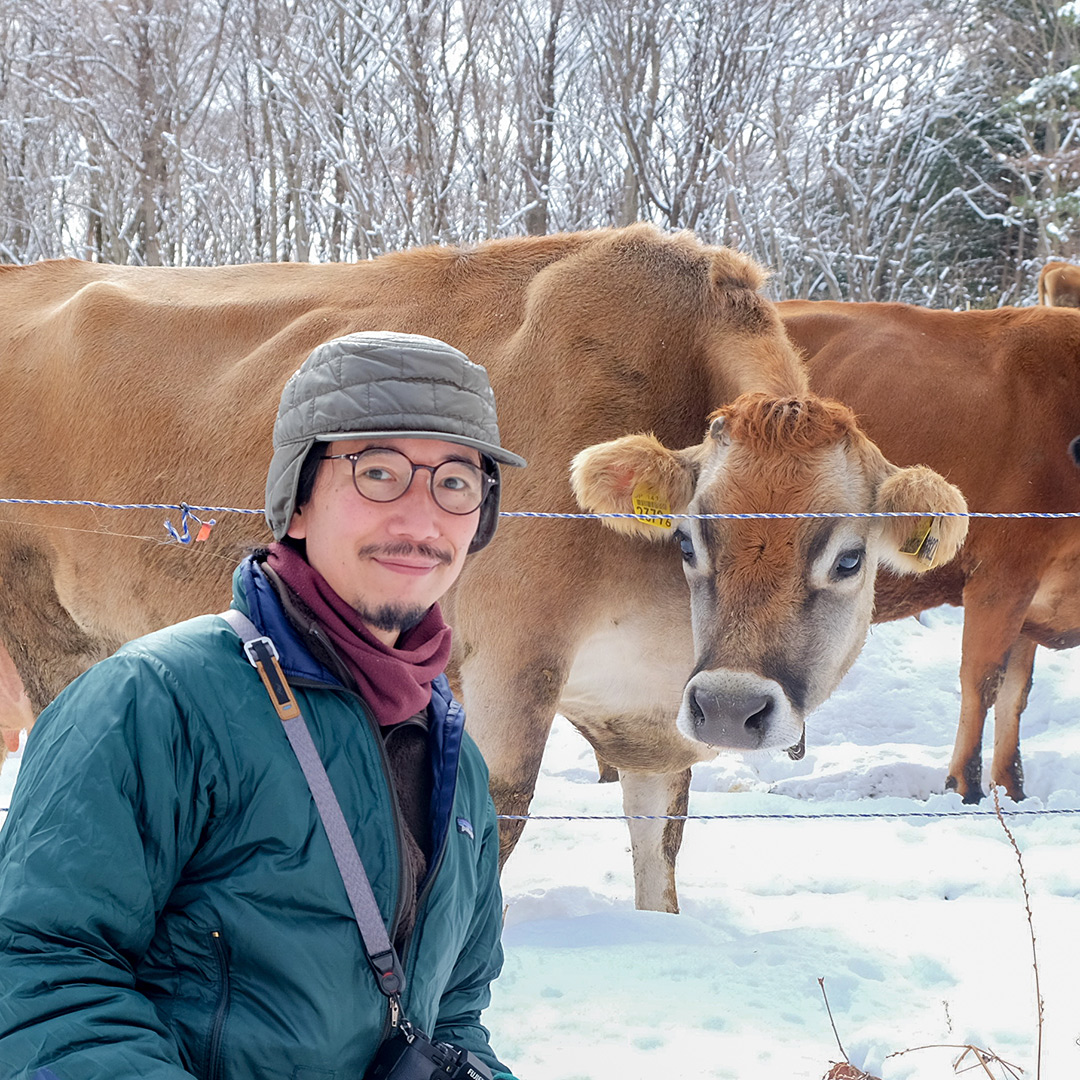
x,y
488,482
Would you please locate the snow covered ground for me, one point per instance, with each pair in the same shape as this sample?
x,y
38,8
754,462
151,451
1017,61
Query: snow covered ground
x,y
916,924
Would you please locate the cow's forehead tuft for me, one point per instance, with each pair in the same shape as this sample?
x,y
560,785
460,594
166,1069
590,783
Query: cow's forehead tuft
x,y
769,425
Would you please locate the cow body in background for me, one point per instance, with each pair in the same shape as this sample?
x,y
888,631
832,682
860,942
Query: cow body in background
x,y
160,385
991,400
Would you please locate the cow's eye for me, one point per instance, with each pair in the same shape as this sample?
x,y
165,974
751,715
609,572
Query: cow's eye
x,y
849,563
686,545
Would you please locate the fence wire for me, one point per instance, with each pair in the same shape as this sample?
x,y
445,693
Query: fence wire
x,y
961,815
184,507
189,510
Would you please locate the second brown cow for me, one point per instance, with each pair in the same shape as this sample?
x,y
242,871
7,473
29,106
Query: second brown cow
x,y
991,399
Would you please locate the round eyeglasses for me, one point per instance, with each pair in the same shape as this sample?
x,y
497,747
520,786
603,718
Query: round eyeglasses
x,y
458,487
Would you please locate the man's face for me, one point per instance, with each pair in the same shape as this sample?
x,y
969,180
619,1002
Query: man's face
x,y
390,561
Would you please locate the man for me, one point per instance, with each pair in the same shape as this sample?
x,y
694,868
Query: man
x,y
169,902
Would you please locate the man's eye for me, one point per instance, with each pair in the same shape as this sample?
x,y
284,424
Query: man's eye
x,y
455,483
686,545
377,474
849,563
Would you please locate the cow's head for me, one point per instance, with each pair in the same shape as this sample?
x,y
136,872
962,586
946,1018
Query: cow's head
x,y
779,607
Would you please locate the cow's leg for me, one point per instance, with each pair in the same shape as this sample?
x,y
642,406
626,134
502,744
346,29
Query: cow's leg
x,y
655,842
992,624
511,692
1006,769
43,648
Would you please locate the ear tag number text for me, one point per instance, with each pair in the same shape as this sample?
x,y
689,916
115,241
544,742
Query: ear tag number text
x,y
650,504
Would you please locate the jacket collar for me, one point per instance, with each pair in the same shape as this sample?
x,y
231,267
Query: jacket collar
x,y
254,595
258,599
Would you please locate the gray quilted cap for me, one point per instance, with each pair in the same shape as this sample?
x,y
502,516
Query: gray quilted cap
x,y
380,384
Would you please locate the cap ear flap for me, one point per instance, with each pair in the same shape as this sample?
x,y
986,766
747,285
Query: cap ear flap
x,y
489,508
636,474
913,545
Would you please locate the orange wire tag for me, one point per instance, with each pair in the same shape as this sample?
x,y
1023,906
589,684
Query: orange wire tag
x,y
204,531
922,545
648,503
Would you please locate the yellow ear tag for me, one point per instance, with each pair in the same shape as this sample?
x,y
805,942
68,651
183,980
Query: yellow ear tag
x,y
648,503
922,545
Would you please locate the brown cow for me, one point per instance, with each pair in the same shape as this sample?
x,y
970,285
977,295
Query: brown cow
x,y
991,399
137,385
1059,285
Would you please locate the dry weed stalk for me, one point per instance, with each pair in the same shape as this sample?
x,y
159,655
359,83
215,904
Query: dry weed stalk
x,y
1031,931
841,1070
985,1058
982,1059
836,1034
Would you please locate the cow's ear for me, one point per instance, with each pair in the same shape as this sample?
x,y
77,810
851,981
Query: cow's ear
x,y
717,428
913,545
636,474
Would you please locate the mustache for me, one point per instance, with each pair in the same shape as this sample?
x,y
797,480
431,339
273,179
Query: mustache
x,y
404,549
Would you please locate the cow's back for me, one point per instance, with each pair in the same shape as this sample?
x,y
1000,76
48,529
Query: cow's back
x,y
1059,285
989,398
158,385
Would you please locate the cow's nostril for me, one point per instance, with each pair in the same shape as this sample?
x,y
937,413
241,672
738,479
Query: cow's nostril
x,y
758,719
697,716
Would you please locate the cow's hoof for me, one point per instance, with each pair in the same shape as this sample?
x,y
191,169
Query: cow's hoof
x,y
970,796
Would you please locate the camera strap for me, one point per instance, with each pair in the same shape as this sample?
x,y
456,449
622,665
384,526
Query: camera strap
x,y
382,956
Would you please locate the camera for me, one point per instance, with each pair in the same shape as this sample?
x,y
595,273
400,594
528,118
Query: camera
x,y
410,1055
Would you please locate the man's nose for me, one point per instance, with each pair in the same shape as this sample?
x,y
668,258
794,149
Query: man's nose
x,y
418,512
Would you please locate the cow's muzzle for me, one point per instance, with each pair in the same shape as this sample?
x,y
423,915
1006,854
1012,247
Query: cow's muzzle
x,y
738,711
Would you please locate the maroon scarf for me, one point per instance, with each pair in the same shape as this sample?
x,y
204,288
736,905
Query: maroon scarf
x,y
395,682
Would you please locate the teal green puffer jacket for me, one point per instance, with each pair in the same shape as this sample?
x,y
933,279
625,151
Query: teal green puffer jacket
x,y
169,903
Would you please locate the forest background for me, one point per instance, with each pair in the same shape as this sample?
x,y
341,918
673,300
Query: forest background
x,y
916,150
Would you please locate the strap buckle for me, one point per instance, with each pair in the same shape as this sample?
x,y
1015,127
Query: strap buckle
x,y
388,973
258,648
263,655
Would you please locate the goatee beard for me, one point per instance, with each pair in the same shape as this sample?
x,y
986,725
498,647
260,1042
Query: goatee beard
x,y
392,617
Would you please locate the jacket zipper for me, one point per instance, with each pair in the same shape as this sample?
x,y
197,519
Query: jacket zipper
x,y
433,870
217,1029
420,900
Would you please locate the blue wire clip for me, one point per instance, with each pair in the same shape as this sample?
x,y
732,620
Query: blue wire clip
x,y
184,536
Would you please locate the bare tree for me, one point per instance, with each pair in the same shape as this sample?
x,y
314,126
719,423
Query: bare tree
x,y
848,143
